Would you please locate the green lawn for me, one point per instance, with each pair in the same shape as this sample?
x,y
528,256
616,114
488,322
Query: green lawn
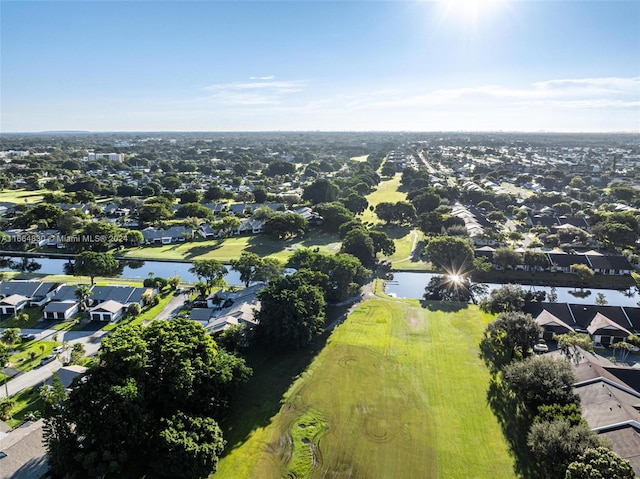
x,y
21,358
230,248
26,401
22,196
398,392
387,191
35,315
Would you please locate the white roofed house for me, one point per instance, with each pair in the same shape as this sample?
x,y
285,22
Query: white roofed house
x,y
12,305
109,311
61,310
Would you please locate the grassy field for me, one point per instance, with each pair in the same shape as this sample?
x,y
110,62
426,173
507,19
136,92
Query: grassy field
x,y
387,191
398,392
22,196
230,248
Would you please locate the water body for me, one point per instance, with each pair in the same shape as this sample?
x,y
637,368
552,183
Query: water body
x,y
137,270
412,285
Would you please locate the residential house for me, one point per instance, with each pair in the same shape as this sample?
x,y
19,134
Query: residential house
x,y
120,293
108,311
605,324
206,232
226,308
562,262
608,264
12,305
250,225
61,310
22,452
36,292
609,403
201,315
68,374
175,234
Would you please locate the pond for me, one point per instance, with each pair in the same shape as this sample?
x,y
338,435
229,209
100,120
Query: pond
x,y
136,269
412,285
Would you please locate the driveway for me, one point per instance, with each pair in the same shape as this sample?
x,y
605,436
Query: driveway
x,y
172,307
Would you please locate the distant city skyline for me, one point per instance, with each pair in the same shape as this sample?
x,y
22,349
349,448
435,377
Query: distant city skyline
x,y
450,65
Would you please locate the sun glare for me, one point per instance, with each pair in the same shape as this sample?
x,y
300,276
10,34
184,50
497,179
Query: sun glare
x,y
469,12
456,278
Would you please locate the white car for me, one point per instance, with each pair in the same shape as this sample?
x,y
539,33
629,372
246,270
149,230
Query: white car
x,y
57,349
541,348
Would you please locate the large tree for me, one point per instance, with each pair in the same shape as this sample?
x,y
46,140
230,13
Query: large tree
x,y
508,297
333,215
150,405
506,257
583,272
453,288
321,191
254,268
512,335
211,270
292,311
92,264
540,380
358,242
285,226
600,463
344,271
554,445
451,254
536,260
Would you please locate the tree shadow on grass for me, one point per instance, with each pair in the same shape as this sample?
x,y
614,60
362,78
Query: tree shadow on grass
x,y
445,306
515,423
197,251
394,231
416,254
262,396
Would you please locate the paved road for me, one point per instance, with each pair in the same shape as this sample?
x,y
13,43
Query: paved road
x,y
40,374
90,339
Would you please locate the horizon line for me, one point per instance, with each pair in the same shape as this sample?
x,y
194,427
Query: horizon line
x,y
579,132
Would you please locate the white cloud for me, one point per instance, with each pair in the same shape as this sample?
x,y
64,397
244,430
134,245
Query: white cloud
x,y
588,93
258,91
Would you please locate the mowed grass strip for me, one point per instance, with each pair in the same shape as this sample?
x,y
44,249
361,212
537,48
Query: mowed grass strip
x,y
386,191
230,248
403,395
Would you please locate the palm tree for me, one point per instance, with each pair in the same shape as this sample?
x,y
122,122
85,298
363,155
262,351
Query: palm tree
x,y
83,292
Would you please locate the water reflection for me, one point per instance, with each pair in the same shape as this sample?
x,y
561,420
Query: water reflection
x,y
412,285
131,269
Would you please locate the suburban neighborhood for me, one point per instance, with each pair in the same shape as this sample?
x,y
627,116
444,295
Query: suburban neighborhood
x,y
288,238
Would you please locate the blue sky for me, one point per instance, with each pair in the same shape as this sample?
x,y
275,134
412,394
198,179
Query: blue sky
x,y
320,65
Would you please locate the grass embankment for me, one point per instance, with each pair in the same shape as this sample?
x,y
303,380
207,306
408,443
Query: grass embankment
x,y
399,391
225,250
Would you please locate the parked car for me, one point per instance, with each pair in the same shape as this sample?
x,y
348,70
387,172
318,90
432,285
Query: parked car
x,y
27,336
47,359
58,349
541,348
